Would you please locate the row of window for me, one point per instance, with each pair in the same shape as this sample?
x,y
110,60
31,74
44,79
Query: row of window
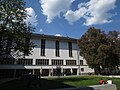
x,y
57,47
39,61
7,61
25,61
45,62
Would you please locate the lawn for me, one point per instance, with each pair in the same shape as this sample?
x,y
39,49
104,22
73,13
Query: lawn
x,y
85,81
53,83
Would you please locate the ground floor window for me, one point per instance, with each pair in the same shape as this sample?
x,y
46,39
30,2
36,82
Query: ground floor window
x,y
21,72
10,73
45,72
6,73
82,69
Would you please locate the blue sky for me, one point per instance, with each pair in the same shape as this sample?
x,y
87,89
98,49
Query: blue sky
x,y
72,18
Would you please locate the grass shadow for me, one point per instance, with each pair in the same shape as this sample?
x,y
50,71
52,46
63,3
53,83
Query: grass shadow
x,y
33,84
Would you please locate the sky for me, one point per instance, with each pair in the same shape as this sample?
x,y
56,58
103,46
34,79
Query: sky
x,y
72,18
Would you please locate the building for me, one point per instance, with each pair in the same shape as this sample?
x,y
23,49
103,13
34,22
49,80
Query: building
x,y
51,56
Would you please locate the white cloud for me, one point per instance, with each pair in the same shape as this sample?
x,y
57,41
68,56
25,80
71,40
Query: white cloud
x,y
98,11
72,16
32,17
41,30
58,35
94,12
53,8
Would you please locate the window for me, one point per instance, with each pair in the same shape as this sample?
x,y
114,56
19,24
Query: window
x,y
82,69
70,49
27,46
25,61
70,62
57,62
57,48
42,61
81,62
42,47
7,60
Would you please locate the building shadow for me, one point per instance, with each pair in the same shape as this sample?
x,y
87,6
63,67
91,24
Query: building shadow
x,y
33,84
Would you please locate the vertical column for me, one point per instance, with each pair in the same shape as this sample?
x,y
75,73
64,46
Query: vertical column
x,y
78,63
52,71
33,71
14,75
34,62
64,62
15,62
50,61
71,70
49,72
62,71
39,73
78,71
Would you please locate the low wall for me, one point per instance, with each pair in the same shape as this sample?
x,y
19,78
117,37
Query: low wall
x,y
104,87
95,87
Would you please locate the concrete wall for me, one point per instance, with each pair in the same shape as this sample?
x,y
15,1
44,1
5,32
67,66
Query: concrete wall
x,y
50,50
50,54
96,87
86,69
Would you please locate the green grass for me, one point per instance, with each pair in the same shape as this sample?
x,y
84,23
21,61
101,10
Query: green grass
x,y
53,83
86,81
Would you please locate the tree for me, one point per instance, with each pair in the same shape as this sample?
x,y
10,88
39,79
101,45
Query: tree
x,y
15,34
115,48
89,43
99,50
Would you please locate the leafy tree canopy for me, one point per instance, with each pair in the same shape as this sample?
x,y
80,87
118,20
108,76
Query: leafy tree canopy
x,y
100,50
15,34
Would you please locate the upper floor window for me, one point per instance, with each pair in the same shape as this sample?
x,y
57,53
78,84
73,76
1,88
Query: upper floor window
x,y
42,61
57,48
42,47
27,46
81,62
70,49
25,61
70,62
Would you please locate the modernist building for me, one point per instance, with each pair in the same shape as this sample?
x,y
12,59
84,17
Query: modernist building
x,y
50,55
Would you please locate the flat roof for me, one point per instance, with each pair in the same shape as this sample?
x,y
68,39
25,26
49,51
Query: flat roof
x,y
52,37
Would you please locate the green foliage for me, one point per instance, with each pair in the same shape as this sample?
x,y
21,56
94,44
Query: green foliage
x,y
102,51
14,33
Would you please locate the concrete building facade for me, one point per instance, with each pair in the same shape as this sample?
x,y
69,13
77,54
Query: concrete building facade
x,y
52,56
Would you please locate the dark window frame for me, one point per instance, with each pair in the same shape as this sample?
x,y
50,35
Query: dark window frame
x,y
82,69
71,62
43,47
57,62
42,61
70,49
25,61
81,62
57,48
